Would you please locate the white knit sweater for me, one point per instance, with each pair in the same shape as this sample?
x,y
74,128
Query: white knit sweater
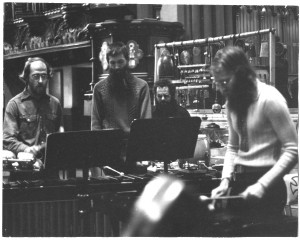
x,y
272,137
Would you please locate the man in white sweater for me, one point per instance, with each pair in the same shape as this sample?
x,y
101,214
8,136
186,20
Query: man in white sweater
x,y
262,145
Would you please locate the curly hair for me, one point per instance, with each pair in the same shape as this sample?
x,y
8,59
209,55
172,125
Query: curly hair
x,y
165,83
115,49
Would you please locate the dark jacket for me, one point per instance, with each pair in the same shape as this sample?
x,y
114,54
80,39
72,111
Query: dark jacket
x,y
175,111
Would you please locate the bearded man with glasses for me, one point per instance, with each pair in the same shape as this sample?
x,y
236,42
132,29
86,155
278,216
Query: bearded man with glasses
x,y
31,114
262,145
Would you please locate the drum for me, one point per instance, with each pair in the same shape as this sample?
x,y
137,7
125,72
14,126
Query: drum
x,y
201,153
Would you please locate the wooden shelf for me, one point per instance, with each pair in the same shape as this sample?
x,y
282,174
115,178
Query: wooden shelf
x,y
47,50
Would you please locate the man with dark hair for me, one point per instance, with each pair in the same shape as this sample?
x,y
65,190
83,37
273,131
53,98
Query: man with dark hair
x,y
121,97
166,105
32,114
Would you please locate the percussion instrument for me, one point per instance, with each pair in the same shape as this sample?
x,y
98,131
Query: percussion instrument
x,y
18,164
132,177
168,208
201,153
165,64
204,198
171,206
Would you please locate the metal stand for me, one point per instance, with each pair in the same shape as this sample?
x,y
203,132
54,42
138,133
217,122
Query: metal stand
x,y
162,139
207,41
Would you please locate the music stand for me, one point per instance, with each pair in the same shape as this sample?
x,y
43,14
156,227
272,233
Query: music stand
x,y
163,139
82,149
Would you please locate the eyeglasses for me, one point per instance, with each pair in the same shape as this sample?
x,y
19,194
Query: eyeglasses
x,y
40,76
222,82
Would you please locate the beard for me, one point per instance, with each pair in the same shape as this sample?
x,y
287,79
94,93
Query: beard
x,y
242,92
37,90
41,90
165,108
118,81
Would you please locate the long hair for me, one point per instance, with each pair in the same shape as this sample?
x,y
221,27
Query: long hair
x,y
242,90
24,76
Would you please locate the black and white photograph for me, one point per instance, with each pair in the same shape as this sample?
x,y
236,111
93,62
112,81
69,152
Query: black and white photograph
x,y
150,119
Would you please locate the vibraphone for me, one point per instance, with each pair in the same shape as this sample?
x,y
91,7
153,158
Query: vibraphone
x,y
73,207
103,206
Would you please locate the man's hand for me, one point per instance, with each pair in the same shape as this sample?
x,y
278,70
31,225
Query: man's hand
x,y
8,155
221,190
38,164
33,150
254,192
25,156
